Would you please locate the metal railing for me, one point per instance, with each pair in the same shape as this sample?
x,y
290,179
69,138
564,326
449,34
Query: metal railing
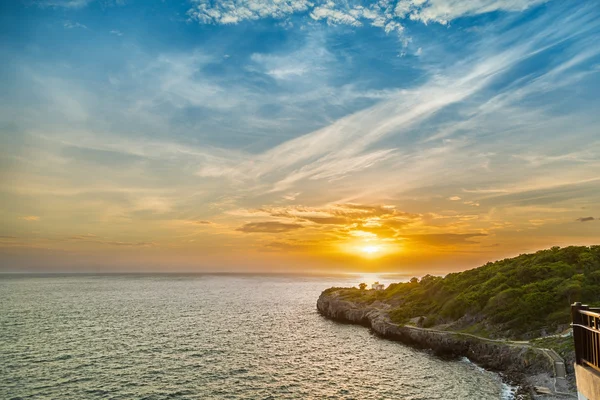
x,y
586,334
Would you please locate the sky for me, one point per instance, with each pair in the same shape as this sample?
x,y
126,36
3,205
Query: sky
x,y
406,136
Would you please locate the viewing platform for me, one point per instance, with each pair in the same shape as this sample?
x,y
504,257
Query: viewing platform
x,y
586,335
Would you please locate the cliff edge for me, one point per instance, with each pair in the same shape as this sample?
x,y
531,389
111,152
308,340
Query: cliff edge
x,y
516,361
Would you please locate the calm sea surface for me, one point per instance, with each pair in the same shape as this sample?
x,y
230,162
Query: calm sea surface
x,y
206,337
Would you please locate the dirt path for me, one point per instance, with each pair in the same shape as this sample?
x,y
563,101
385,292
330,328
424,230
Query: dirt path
x,y
520,343
560,373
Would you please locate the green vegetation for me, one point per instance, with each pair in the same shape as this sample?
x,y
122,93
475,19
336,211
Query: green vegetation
x,y
522,297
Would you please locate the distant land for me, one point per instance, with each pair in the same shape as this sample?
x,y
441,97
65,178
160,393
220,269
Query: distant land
x,y
522,301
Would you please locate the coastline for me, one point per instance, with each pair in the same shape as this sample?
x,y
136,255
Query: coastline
x,y
518,364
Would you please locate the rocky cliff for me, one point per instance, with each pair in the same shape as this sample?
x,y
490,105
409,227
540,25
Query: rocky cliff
x,y
515,360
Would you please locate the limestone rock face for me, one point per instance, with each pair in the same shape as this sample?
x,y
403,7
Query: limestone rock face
x,y
508,357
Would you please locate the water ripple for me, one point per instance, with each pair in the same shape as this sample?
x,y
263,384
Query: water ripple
x,y
205,337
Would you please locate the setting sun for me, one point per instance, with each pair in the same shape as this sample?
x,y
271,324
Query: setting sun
x,y
371,249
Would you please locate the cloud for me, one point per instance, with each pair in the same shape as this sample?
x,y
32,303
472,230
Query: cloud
x,y
444,239
346,220
309,60
380,230
130,244
444,11
349,145
545,193
86,237
342,148
75,4
73,25
327,220
358,144
334,16
289,246
177,80
202,222
235,11
65,3
31,218
116,32
585,219
454,198
341,213
386,15
268,227
365,210
290,196
91,238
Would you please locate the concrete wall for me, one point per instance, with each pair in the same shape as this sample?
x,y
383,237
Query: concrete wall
x,y
588,383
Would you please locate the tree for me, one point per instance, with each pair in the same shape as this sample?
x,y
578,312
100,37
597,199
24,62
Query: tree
x,y
588,263
362,286
514,297
571,289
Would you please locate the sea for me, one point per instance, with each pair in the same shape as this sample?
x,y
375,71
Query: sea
x,y
207,337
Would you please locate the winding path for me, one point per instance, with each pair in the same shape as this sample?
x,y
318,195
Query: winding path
x,y
561,386
560,373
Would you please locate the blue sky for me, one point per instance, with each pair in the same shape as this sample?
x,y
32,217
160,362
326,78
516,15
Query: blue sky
x,y
250,134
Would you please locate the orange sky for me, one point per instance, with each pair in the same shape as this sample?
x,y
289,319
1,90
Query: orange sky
x,y
335,238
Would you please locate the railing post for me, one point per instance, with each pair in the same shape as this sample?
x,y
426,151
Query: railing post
x,y
577,334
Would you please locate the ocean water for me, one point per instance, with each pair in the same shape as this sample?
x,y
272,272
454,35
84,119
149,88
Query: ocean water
x,y
206,337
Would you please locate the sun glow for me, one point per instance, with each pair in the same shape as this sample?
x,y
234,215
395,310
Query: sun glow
x,y
371,249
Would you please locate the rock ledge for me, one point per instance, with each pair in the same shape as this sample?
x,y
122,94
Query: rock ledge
x,y
514,361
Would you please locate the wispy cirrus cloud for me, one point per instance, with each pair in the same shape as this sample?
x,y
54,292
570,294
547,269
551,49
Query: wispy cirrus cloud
x,y
290,246
75,4
268,227
352,135
94,239
367,140
313,59
65,3
444,11
445,239
74,25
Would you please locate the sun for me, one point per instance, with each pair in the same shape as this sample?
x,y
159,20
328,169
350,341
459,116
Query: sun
x,y
370,249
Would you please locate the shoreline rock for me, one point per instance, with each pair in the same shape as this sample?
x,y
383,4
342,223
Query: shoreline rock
x,y
514,362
